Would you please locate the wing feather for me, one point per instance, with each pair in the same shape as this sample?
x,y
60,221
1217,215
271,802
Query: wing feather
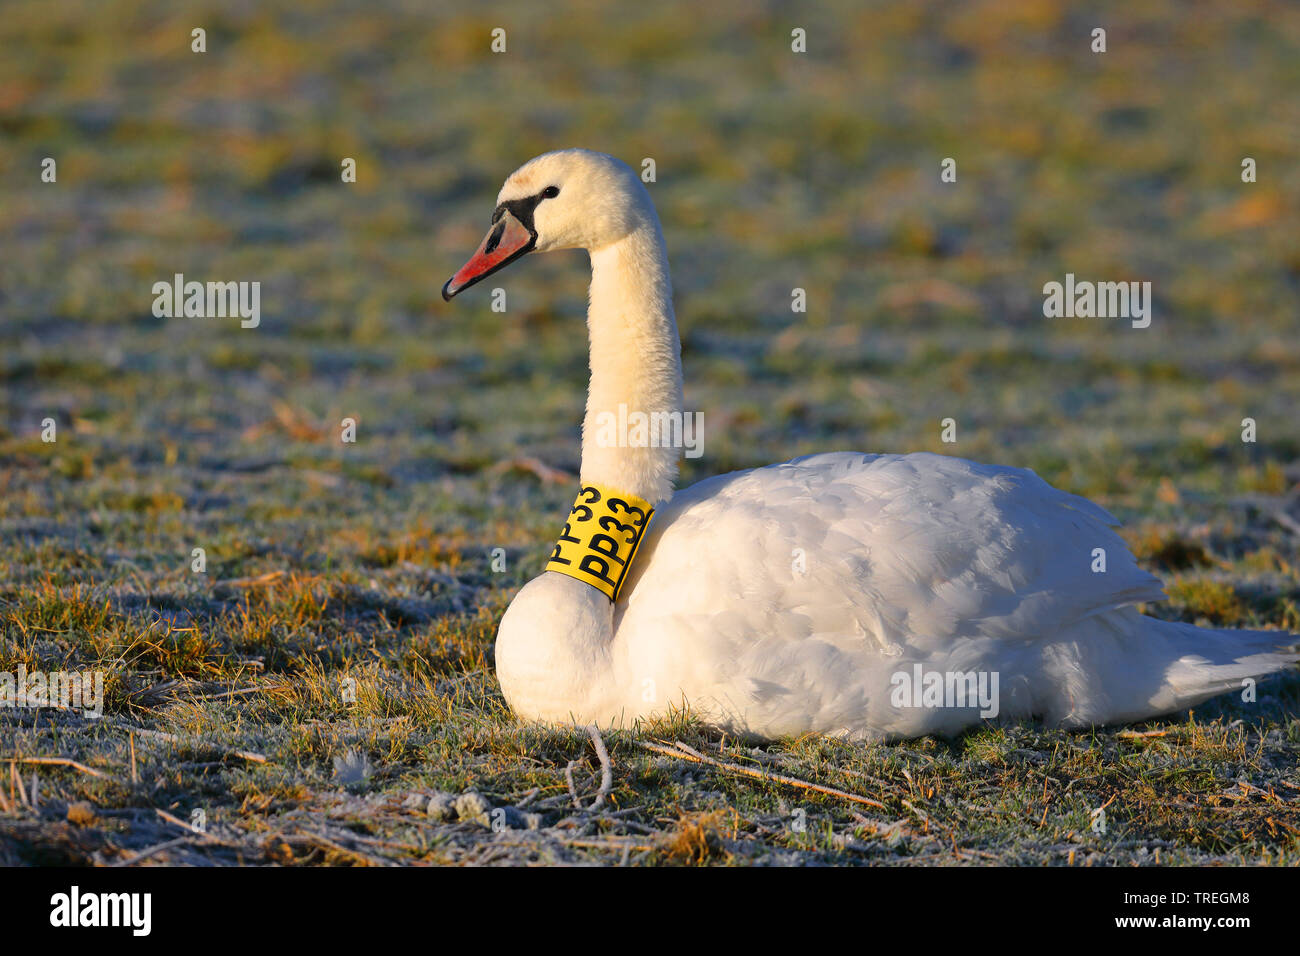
x,y
913,549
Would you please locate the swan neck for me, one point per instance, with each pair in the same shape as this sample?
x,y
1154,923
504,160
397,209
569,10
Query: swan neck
x,y
635,393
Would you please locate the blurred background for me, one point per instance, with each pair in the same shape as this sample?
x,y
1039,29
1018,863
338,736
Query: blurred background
x,y
775,170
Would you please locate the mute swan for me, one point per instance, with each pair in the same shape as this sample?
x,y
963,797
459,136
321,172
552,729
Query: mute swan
x,y
857,595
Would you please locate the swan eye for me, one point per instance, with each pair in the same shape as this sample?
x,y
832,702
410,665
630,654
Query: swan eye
x,y
550,192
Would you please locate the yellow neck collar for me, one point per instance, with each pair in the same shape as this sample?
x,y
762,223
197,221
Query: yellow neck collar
x,y
600,538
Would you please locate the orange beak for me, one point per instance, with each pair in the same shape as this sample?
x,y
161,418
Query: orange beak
x,y
506,241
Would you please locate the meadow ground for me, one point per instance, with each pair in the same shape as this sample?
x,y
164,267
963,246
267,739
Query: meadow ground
x,y
367,567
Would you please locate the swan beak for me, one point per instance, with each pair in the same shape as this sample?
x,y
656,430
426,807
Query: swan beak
x,y
506,241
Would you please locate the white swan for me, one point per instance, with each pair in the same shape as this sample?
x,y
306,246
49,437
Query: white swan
x,y
845,594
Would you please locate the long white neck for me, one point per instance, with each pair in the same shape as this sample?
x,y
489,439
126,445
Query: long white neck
x,y
554,645
635,363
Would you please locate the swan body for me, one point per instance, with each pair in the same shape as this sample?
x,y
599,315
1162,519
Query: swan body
x,y
856,595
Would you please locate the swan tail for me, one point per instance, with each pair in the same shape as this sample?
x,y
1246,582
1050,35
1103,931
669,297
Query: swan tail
x,y
1215,661
1124,666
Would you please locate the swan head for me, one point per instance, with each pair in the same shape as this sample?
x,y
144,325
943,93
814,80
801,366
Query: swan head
x,y
568,199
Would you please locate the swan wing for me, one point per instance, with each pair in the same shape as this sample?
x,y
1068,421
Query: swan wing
x,y
790,593
917,548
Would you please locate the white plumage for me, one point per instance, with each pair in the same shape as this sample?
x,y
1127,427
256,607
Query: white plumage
x,y
804,597
785,599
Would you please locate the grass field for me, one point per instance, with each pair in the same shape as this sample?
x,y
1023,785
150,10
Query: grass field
x,y
364,570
